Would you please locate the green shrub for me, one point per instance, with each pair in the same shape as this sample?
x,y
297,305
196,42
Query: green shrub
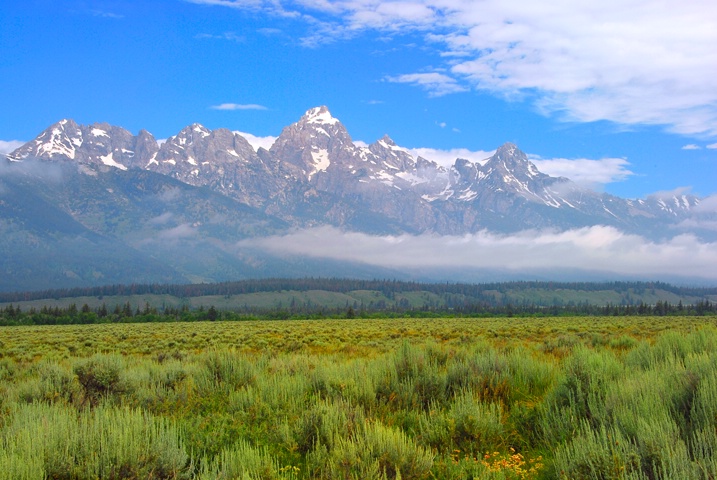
x,y
468,425
100,377
377,451
225,370
704,407
105,442
324,423
54,384
414,377
242,461
598,454
582,388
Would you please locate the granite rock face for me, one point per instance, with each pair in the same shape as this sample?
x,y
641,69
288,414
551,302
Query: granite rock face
x,y
314,174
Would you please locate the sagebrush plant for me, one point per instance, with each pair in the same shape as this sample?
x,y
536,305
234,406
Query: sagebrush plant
x,y
106,442
101,377
403,398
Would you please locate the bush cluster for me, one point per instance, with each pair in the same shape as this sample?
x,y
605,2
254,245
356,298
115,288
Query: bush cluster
x,y
467,407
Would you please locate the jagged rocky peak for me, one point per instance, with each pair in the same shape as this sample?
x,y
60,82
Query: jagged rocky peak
x,y
510,159
58,140
98,144
322,128
464,171
319,115
312,144
386,140
189,134
196,150
509,154
391,155
145,147
317,125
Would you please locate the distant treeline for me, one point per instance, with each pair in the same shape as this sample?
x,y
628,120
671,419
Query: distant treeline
x,y
341,285
14,315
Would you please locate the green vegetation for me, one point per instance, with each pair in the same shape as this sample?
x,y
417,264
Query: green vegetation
x,y
447,398
340,298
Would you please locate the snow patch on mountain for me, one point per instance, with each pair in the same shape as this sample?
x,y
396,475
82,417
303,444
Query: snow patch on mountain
x,y
321,161
320,115
110,161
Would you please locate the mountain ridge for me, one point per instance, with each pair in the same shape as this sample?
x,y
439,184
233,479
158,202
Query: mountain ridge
x,y
314,173
185,205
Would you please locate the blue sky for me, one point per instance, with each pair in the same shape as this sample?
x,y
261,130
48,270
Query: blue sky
x,y
619,93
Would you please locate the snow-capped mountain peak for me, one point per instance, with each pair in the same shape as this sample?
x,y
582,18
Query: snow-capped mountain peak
x,y
319,115
98,144
314,173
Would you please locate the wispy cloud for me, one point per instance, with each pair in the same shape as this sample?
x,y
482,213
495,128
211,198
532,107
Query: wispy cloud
x,y
708,205
592,249
712,146
435,83
589,172
184,230
240,4
231,36
105,14
238,106
581,61
447,158
258,142
669,194
7,146
691,146
584,170
270,31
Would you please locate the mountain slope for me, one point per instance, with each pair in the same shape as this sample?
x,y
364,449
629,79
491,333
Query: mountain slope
x,y
314,174
96,204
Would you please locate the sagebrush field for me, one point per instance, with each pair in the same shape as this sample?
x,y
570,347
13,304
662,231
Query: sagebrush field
x,y
499,398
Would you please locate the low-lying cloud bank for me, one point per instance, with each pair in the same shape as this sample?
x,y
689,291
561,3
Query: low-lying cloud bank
x,y
596,249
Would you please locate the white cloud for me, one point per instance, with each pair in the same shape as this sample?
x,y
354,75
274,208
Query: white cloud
x,y
51,172
7,146
707,205
231,36
693,224
269,31
257,142
436,84
591,249
184,230
712,146
691,146
667,194
238,106
625,61
161,219
585,171
241,4
589,172
447,158
106,14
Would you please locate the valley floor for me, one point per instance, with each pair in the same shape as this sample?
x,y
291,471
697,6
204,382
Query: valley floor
x,y
497,398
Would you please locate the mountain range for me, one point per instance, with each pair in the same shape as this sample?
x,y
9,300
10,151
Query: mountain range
x,y
95,204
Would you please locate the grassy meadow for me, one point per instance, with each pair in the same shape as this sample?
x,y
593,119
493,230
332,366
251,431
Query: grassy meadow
x,y
495,398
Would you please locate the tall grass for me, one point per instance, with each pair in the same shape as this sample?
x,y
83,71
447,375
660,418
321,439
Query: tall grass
x,y
439,399
54,441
